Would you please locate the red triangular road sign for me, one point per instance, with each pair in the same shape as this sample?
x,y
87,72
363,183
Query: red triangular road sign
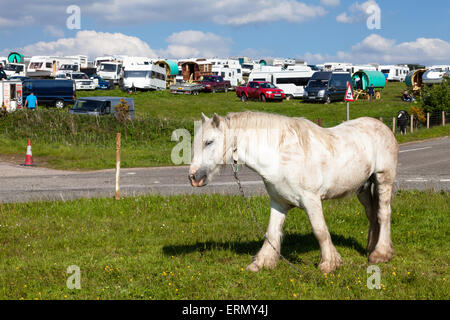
x,y
349,93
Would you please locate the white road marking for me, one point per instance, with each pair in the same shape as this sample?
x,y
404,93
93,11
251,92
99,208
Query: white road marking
x,y
444,180
409,150
131,173
417,180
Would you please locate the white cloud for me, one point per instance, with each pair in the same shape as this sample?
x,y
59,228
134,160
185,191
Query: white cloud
x,y
331,3
357,12
14,23
377,49
291,11
193,43
54,31
93,44
230,12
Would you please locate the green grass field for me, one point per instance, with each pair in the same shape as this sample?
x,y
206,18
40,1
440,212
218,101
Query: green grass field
x,y
65,141
196,247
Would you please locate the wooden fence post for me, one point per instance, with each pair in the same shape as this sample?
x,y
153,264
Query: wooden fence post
x,y
117,195
381,119
428,120
319,122
393,125
412,123
443,118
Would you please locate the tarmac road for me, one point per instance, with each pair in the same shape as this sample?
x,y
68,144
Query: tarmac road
x,y
422,165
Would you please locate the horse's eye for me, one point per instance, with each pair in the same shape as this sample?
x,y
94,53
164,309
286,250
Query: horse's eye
x,y
207,143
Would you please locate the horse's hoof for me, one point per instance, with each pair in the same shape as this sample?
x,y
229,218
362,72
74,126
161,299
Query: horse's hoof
x,y
253,267
332,264
380,257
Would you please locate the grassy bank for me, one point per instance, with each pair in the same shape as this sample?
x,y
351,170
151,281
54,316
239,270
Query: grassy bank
x,y
195,247
65,141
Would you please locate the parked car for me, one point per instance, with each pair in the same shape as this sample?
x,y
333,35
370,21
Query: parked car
x,y
101,83
55,93
260,90
101,106
82,81
327,86
215,83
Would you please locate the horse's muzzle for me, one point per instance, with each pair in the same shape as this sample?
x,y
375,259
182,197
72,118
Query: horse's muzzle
x,y
199,178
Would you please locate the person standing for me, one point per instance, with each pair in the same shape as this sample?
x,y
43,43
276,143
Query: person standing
x,y
2,73
31,101
371,92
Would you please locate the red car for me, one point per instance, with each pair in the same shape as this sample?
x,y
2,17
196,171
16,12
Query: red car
x,y
260,90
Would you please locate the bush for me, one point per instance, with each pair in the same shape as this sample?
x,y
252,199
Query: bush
x,y
436,97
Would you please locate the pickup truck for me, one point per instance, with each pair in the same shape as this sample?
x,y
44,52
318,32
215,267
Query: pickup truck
x,y
215,83
260,90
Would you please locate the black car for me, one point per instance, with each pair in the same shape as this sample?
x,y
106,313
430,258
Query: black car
x,y
327,86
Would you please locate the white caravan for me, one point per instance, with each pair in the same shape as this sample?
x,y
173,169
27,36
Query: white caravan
x,y
232,74
146,77
292,82
337,66
394,72
42,66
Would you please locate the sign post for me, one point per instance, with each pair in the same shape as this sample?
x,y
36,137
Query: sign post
x,y
349,97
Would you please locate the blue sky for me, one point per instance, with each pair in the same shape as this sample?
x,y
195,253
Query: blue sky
x,y
320,30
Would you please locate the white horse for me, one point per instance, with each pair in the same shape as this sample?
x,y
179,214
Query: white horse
x,y
302,164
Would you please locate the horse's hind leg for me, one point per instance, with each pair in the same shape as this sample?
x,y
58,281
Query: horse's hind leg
x,y
384,187
370,202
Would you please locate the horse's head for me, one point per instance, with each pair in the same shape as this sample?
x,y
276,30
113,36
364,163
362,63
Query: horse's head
x,y
209,150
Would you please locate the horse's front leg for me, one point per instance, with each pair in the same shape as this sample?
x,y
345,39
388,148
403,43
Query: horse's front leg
x,y
270,252
330,258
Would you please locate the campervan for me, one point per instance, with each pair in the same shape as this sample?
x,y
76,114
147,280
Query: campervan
x,y
292,81
394,72
146,77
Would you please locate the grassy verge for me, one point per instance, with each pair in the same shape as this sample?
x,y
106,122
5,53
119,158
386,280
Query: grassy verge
x,y
65,141
195,247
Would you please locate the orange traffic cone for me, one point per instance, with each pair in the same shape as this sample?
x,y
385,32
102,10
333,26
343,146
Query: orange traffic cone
x,y
29,155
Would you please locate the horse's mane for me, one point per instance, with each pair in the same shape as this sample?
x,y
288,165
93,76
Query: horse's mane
x,y
300,127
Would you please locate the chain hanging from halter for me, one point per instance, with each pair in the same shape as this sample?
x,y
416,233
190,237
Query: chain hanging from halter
x,y
235,168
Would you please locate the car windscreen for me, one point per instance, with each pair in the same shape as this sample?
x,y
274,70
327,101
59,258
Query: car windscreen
x,y
136,74
267,85
108,67
78,76
317,83
209,79
89,105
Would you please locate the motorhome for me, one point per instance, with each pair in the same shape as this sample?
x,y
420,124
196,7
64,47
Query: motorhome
x,y
394,72
15,69
110,71
11,95
145,77
292,81
335,66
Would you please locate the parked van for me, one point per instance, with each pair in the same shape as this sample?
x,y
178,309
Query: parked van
x,y
101,106
56,93
111,71
327,86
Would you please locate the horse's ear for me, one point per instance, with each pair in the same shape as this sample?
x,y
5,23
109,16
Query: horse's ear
x,y
204,118
216,120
